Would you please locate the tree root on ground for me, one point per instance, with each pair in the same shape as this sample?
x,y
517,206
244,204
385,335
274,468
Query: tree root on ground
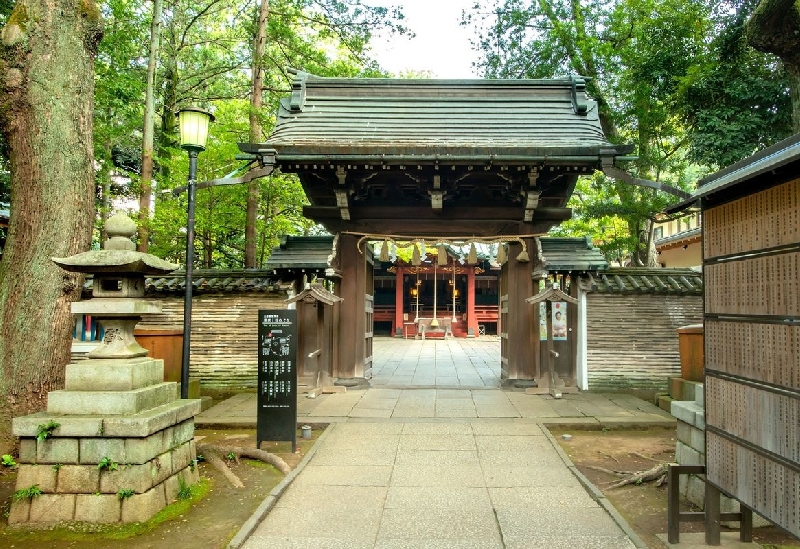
x,y
657,473
214,454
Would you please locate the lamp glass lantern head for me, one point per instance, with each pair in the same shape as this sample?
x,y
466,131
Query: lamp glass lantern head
x,y
193,123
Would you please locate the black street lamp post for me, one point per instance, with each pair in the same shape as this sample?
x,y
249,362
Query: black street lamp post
x,y
193,124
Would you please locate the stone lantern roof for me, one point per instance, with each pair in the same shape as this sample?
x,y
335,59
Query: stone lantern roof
x,y
119,286
118,256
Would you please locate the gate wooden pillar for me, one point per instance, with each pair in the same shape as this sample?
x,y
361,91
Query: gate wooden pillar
x,y
317,310
522,348
351,329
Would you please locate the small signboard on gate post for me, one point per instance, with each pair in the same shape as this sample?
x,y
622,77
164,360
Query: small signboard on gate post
x,y
277,376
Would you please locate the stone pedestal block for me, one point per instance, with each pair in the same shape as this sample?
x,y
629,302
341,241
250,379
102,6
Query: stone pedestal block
x,y
105,375
110,403
140,430
97,508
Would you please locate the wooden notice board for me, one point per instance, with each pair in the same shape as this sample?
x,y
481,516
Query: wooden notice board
x,y
277,376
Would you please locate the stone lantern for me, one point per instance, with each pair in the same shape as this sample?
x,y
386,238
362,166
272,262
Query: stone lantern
x,y
118,288
116,444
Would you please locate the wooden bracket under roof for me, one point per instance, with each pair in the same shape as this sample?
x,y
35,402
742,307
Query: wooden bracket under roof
x,y
532,195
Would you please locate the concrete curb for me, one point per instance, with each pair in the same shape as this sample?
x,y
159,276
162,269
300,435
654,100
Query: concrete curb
x,y
595,492
258,515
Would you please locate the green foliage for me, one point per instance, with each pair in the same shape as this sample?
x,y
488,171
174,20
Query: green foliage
x,y
220,212
107,464
57,467
673,77
735,99
6,7
231,456
8,461
27,493
125,493
185,491
205,60
45,430
120,67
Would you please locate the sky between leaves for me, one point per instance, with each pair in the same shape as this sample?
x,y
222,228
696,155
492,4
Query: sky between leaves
x,y
440,46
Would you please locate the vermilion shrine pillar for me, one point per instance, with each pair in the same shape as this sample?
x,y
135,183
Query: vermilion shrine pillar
x,y
398,304
472,319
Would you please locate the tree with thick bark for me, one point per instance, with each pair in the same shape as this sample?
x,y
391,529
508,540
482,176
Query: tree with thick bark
x,y
774,28
47,53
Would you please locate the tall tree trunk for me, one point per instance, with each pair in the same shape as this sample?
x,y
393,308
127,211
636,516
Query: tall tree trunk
x,y
208,250
259,40
147,134
105,193
774,28
46,60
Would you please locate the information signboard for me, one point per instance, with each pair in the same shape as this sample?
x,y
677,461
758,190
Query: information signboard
x,y
277,376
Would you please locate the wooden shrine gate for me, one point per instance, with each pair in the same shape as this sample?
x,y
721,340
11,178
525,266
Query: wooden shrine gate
x,y
445,161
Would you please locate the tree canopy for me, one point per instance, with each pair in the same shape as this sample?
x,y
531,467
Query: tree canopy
x,y
206,59
674,77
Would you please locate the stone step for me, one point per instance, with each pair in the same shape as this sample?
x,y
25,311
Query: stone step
x,y
689,412
110,403
142,424
90,479
49,509
113,374
680,389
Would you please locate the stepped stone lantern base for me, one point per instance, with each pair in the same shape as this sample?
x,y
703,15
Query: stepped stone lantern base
x,y
116,444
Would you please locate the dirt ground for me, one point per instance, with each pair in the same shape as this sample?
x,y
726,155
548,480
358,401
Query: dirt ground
x,y
209,521
644,506
216,517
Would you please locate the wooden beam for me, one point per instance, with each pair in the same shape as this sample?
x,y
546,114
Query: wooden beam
x,y
449,213
477,221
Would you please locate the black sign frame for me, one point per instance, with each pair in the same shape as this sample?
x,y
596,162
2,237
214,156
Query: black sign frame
x,y
277,376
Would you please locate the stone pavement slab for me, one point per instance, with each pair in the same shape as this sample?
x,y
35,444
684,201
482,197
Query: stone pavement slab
x,y
451,483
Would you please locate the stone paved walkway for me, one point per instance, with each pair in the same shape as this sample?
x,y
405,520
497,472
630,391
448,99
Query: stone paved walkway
x,y
452,363
456,378
435,455
453,484
582,409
